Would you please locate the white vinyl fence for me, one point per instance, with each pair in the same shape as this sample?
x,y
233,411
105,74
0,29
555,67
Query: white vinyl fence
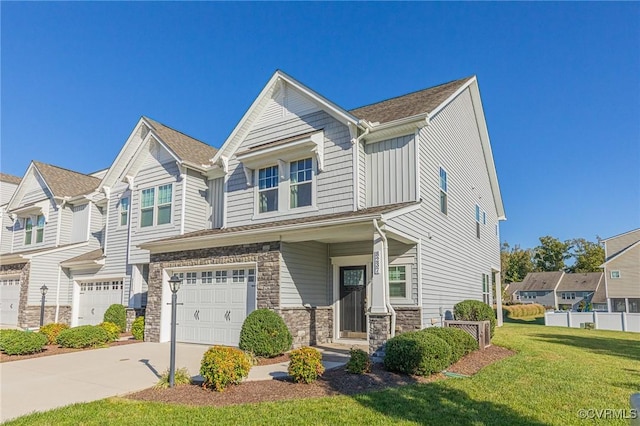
x,y
618,321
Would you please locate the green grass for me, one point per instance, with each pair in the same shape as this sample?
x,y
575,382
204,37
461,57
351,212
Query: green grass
x,y
556,372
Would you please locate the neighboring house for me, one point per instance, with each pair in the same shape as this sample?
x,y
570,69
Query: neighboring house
x,y
513,292
559,290
55,215
622,272
352,225
9,286
156,187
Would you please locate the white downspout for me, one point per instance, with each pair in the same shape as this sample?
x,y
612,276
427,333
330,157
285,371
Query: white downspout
x,y
385,277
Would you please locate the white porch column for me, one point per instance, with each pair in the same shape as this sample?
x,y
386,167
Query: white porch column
x,y
498,281
378,304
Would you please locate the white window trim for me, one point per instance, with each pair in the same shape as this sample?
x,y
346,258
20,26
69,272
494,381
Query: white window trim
x,y
619,275
128,198
284,188
408,281
440,191
156,193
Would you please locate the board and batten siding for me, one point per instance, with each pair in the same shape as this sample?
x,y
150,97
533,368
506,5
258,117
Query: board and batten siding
x,y
80,222
391,171
152,174
303,274
216,200
197,209
453,258
334,185
628,285
362,176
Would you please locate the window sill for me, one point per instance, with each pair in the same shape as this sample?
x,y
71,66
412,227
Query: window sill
x,y
402,302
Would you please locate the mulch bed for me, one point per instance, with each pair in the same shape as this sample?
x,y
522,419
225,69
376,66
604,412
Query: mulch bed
x,y
58,350
333,382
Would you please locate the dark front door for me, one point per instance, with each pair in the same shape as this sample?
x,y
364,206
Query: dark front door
x,y
353,291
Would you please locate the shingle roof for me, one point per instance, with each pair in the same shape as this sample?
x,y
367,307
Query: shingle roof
x,y
600,295
66,183
541,280
303,220
96,254
513,287
420,102
580,282
9,178
185,147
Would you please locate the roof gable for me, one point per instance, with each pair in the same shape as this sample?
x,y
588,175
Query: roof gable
x,y
580,281
185,147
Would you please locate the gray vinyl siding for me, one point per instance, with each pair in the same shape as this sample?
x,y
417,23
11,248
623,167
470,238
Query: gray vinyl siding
x,y
334,186
391,171
453,259
97,224
216,198
6,192
80,223
545,298
50,232
117,250
7,233
405,254
303,274
197,209
152,177
615,245
628,285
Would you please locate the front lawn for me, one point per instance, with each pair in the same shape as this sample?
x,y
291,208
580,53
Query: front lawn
x,y
556,372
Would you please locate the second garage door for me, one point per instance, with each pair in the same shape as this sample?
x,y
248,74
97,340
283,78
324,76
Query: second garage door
x,y
213,305
95,298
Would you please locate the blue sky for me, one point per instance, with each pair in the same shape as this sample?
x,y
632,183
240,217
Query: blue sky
x,y
560,84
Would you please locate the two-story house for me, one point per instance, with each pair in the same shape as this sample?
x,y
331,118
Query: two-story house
x,y
55,216
352,225
156,187
559,290
622,272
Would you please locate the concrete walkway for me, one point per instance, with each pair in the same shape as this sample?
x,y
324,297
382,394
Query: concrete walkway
x,y
41,384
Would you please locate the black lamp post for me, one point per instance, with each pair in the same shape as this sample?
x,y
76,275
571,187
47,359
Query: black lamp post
x,y
174,286
43,291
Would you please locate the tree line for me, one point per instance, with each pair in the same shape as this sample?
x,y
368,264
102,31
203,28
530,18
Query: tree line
x,y
576,255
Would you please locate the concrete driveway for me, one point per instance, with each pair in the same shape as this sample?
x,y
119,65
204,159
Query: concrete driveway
x,y
41,384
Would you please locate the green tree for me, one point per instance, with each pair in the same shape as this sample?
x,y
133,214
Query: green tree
x,y
551,254
515,263
587,254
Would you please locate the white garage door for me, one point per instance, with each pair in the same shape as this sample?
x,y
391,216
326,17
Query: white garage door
x,y
95,298
9,298
213,305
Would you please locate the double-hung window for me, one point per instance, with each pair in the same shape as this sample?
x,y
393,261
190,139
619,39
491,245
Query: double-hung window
x,y
39,228
28,230
124,211
158,208
399,280
477,221
443,190
486,286
300,183
268,189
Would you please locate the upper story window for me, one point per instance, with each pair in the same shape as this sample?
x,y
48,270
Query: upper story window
x,y
156,210
443,190
28,231
300,182
124,211
268,189
39,228
615,274
477,221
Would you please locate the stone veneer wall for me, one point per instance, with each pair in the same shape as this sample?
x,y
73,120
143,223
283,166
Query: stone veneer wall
x,y
379,333
132,314
31,316
309,326
407,318
23,270
265,255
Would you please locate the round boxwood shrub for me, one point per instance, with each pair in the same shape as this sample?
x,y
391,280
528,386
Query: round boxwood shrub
x,y
305,365
137,328
52,330
418,353
460,341
222,366
6,335
113,331
359,362
23,343
117,314
83,336
265,334
474,310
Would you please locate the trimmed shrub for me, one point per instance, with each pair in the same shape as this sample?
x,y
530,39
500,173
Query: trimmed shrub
x,y
416,352
524,311
359,362
6,335
52,330
23,342
460,341
474,310
137,328
113,331
117,314
265,334
181,377
305,365
222,366
83,337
